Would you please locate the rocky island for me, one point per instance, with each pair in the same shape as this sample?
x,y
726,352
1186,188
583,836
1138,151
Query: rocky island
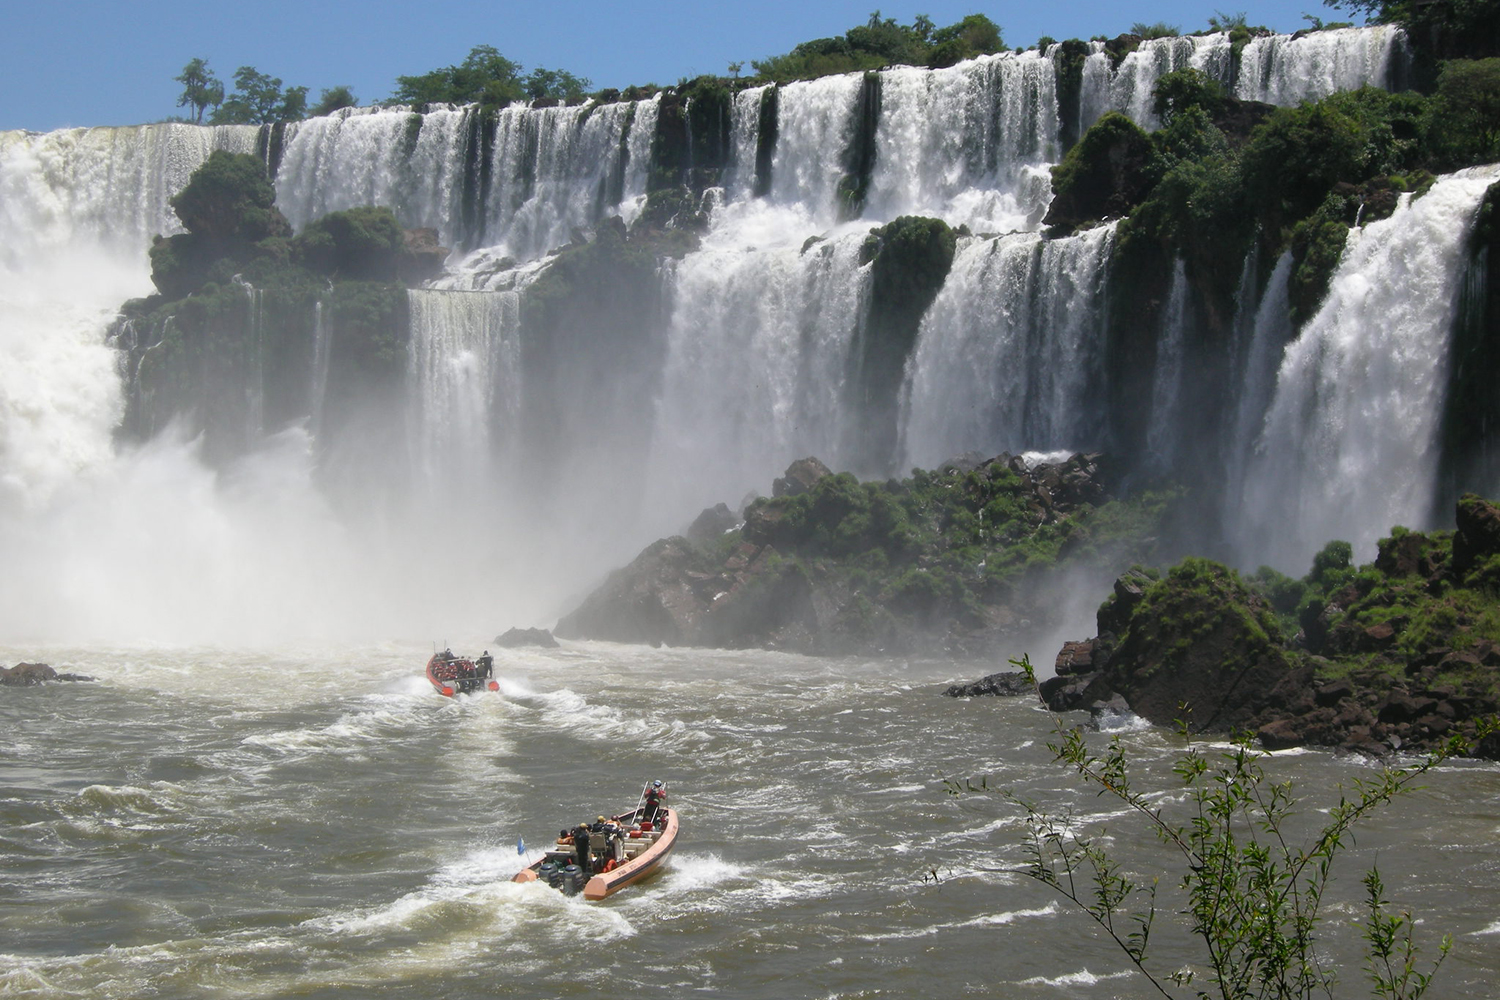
x,y
1398,654
954,562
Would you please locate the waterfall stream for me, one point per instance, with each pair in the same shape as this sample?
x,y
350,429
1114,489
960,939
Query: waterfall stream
x,y
748,364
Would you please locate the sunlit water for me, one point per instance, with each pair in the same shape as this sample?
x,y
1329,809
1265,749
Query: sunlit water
x,y
316,822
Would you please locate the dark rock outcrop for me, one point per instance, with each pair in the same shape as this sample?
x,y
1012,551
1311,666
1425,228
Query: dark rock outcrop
x,y
422,256
834,566
28,674
516,637
1007,684
801,476
1108,173
1392,656
713,522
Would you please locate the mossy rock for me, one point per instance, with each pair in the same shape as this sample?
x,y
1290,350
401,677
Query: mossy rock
x,y
1106,175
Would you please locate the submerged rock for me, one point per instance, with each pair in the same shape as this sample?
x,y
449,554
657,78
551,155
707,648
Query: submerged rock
x,y
1007,684
516,637
27,674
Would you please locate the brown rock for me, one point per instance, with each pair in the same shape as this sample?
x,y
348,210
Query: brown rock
x,y
800,477
1075,658
27,674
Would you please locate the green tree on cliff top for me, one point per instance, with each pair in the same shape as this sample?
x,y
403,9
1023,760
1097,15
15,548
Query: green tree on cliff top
x,y
200,88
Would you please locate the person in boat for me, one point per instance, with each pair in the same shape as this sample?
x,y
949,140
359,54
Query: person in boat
x,y
581,836
486,664
614,840
656,800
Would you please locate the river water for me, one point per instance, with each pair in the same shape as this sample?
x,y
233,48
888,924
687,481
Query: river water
x,y
316,822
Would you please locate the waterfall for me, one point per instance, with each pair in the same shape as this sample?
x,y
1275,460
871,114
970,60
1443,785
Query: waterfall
x,y
815,124
757,349
464,373
1258,353
1129,87
1275,69
638,156
1166,377
554,169
1010,356
602,434
970,144
255,378
1349,447
78,209
413,164
744,138
1289,69
317,391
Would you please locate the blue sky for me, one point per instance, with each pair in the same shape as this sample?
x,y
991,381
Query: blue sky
x,y
111,62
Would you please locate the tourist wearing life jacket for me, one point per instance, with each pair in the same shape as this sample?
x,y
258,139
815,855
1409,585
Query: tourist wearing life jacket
x,y
581,835
656,800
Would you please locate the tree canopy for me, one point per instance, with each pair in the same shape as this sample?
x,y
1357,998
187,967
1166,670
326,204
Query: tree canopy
x,y
883,42
200,88
258,99
488,78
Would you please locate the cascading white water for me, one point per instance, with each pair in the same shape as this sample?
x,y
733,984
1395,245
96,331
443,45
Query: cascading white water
x,y
744,141
78,209
1349,447
1163,429
1010,356
317,392
816,118
465,379
1257,354
1129,88
412,164
1274,69
638,156
969,144
554,169
1286,70
757,349
758,333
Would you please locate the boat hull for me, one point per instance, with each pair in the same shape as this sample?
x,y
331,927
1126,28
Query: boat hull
x,y
454,677
637,869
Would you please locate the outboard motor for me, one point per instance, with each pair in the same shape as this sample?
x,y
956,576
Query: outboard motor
x,y
549,873
572,880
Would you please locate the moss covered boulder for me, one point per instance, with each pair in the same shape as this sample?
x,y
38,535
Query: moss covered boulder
x,y
1402,653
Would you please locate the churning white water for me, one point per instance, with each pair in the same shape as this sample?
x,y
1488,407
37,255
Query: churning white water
x,y
969,144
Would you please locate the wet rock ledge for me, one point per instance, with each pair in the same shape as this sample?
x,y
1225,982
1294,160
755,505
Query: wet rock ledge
x,y
1397,655
28,674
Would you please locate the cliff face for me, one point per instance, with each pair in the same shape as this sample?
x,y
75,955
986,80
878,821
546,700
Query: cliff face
x,y
1401,653
228,343
954,562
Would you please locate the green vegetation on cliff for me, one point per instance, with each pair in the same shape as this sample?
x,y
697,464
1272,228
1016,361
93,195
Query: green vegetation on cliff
x,y
954,561
881,42
1403,651
1222,176
228,345
487,78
